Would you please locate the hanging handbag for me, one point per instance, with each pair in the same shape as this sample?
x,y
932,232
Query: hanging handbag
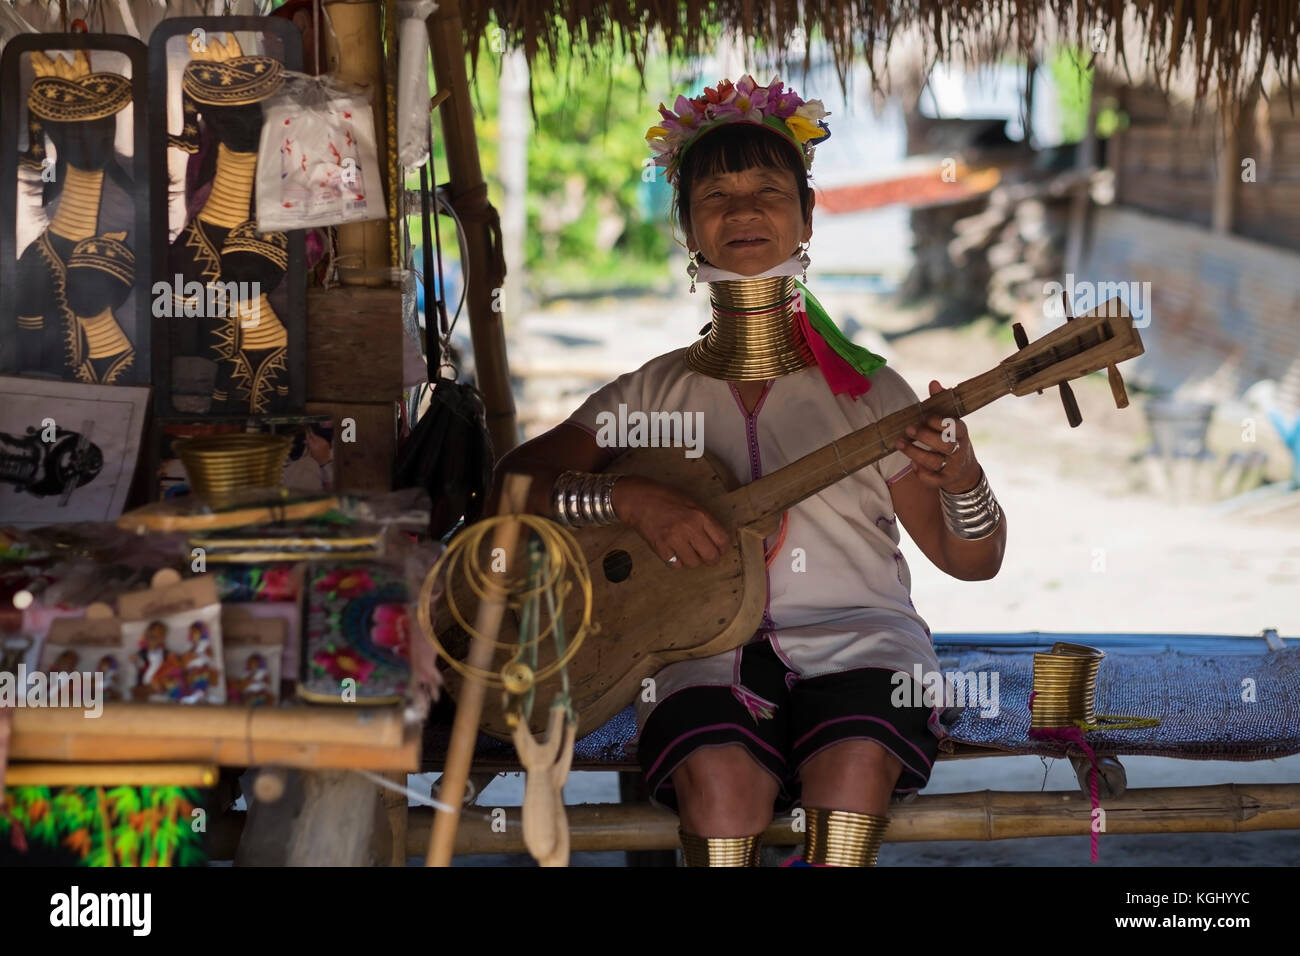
x,y
449,451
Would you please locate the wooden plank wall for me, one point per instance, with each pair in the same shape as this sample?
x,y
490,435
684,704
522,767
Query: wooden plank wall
x,y
1224,312
1168,168
354,373
1269,208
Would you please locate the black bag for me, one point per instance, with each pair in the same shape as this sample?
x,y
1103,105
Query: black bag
x,y
449,451
449,455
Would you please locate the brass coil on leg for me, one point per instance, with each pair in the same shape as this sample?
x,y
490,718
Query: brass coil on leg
x,y
720,851
843,838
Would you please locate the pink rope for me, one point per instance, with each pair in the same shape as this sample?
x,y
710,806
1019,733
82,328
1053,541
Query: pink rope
x,y
1073,735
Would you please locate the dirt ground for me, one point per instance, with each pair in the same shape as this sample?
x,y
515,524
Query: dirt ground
x,y
1091,547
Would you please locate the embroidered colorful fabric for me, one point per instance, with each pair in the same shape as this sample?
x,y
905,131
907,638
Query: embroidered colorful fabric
x,y
845,366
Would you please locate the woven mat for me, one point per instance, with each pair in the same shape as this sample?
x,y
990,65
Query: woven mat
x,y
1202,702
1198,699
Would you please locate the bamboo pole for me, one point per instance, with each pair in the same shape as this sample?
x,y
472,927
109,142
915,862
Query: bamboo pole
x,y
469,193
469,705
363,726
114,775
1226,170
981,815
1081,197
228,752
1228,808
355,55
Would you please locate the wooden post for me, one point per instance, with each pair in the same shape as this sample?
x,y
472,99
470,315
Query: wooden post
x,y
1081,197
1027,126
512,168
1223,211
356,56
336,824
469,192
395,807
469,705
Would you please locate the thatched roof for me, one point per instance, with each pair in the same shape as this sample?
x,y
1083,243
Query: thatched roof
x,y
1223,46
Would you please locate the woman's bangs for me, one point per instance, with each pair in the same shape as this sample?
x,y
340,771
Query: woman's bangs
x,y
734,152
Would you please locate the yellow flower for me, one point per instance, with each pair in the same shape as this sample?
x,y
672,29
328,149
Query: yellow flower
x,y
803,129
655,132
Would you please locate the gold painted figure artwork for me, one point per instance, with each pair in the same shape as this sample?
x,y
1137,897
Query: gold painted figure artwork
x,y
231,345
76,275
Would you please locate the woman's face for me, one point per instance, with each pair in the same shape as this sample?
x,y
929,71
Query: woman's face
x,y
761,204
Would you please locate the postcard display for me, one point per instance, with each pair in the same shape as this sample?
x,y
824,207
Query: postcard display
x,y
76,258
230,335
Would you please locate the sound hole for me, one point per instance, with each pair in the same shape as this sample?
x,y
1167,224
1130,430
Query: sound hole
x,y
618,566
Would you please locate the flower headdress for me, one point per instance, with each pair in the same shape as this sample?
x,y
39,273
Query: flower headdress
x,y
774,106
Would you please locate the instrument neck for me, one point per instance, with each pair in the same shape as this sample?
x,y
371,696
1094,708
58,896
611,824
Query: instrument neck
x,y
765,498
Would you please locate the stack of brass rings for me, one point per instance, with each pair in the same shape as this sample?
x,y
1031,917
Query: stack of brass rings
x,y
754,336
464,563
219,465
1065,685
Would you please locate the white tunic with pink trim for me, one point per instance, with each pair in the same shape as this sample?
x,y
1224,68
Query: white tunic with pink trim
x,y
839,590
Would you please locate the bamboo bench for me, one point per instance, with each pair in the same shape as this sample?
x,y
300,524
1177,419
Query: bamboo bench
x,y
633,825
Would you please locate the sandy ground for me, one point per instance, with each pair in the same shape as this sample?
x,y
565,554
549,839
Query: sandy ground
x,y
1090,548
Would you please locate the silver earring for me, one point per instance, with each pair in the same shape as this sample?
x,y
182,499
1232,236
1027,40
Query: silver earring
x,y
804,260
693,268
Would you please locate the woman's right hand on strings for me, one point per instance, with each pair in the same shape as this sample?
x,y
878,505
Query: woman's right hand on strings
x,y
670,521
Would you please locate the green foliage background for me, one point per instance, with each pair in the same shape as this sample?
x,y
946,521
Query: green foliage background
x,y
592,116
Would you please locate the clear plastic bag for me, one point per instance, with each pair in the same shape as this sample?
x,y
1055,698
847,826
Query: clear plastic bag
x,y
317,164
413,82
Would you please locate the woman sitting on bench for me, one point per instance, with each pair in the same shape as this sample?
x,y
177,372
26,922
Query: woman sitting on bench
x,y
809,711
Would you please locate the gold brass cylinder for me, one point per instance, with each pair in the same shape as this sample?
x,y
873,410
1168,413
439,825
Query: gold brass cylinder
x,y
219,465
760,342
719,851
843,838
1065,685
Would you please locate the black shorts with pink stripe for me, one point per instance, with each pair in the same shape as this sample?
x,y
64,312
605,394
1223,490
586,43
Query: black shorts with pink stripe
x,y
808,717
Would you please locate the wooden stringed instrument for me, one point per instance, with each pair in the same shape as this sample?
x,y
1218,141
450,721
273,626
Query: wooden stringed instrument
x,y
648,614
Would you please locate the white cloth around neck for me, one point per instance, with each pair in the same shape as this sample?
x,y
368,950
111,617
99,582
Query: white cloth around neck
x,y
711,273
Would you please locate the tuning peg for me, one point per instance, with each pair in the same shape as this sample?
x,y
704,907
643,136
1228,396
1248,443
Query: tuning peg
x,y
1067,394
1071,406
1117,387
1022,339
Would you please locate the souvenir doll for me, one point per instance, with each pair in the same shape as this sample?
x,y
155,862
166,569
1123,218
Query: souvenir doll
x,y
109,667
159,672
72,643
201,674
254,688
